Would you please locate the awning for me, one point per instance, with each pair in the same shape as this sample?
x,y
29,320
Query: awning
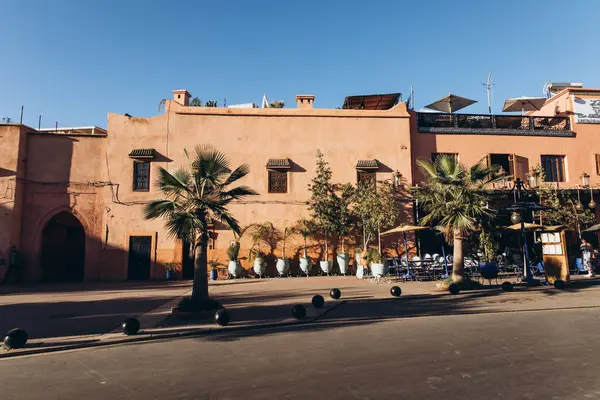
x,y
371,101
367,164
142,153
279,163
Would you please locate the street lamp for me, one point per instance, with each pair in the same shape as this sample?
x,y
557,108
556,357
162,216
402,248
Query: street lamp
x,y
585,180
519,210
397,178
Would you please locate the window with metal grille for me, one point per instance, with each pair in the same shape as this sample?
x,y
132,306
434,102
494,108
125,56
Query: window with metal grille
x,y
141,176
277,182
365,176
554,168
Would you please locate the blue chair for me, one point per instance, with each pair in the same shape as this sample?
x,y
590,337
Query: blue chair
x,y
580,267
538,269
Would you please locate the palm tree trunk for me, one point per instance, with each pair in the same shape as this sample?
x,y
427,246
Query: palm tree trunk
x,y
200,285
458,267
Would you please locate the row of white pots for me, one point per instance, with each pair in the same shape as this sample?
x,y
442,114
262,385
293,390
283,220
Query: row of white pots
x,y
283,266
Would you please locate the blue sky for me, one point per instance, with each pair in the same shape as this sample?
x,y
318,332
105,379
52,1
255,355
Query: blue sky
x,y
74,61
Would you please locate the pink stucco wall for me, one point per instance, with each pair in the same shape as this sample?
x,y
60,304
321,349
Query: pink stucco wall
x,y
250,136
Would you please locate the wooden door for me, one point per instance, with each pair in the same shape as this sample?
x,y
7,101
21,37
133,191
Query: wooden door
x,y
140,251
519,166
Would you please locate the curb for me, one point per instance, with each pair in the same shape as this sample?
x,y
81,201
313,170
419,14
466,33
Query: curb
x,y
190,333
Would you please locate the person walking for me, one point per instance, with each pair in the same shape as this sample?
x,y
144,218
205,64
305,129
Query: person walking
x,y
587,252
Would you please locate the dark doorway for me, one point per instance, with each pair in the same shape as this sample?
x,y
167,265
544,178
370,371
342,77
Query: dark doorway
x,y
140,250
63,249
187,262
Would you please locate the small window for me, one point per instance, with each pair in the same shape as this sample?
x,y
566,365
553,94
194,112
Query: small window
x,y
554,168
502,160
141,176
277,182
365,177
434,156
597,164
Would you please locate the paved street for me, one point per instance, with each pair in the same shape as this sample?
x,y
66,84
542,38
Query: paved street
x,y
516,355
69,310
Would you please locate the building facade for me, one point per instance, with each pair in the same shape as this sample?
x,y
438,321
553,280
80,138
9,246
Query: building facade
x,y
71,200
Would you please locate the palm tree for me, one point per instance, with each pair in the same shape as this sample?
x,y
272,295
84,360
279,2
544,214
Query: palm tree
x,y
195,196
454,201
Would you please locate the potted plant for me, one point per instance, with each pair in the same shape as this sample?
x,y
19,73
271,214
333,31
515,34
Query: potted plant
x,y
304,228
322,204
377,263
283,263
170,269
488,267
341,224
214,268
234,267
259,233
259,265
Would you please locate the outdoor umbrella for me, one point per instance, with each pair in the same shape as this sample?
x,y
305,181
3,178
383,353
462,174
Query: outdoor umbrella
x,y
593,228
450,103
523,104
528,227
405,228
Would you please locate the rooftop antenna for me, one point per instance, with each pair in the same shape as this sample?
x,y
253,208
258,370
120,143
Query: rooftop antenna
x,y
488,87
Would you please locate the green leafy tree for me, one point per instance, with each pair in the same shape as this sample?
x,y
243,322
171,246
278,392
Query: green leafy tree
x,y
277,104
210,103
196,102
341,205
454,201
366,201
195,196
323,203
376,208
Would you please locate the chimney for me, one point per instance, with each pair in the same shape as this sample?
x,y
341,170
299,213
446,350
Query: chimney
x,y
182,97
305,100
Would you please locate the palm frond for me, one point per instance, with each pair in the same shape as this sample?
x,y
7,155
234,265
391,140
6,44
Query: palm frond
x,y
427,166
170,184
238,193
159,208
237,174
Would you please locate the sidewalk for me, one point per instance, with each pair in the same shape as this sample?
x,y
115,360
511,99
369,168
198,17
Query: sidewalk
x,y
60,318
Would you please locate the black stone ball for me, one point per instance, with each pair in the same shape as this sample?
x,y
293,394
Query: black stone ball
x,y
222,317
560,284
16,338
454,288
299,311
335,294
318,301
395,291
131,326
507,286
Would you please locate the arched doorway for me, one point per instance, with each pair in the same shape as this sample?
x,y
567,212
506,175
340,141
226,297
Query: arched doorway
x,y
63,249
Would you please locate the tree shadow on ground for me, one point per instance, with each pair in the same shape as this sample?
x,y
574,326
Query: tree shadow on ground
x,y
74,318
361,311
91,287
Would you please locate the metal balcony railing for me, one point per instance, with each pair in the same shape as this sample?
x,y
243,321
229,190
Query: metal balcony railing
x,y
493,124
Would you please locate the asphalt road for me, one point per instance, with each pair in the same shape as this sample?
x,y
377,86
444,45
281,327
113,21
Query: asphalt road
x,y
527,355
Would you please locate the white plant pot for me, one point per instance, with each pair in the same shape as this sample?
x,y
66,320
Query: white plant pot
x,y
342,260
377,270
235,268
325,266
305,265
259,266
283,266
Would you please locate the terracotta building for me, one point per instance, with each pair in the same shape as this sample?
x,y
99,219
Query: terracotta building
x,y
71,199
